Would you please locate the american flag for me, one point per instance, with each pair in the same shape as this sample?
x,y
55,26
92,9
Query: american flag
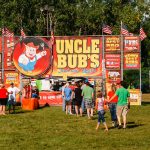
x,y
22,33
142,34
8,33
107,29
124,30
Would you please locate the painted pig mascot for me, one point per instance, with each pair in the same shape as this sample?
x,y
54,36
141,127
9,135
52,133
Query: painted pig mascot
x,y
29,57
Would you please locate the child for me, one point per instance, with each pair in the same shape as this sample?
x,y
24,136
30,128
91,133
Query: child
x,y
101,112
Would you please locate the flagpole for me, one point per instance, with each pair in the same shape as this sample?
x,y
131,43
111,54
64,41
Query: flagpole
x,y
140,74
121,54
3,36
103,63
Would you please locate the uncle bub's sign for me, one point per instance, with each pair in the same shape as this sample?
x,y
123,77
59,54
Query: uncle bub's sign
x,y
77,56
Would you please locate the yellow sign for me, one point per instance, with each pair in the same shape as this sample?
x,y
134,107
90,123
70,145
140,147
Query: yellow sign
x,y
135,96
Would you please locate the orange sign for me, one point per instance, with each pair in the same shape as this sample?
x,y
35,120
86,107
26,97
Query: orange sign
x,y
11,76
131,61
112,43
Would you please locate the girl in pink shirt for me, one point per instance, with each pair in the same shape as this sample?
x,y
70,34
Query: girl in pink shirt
x,y
101,112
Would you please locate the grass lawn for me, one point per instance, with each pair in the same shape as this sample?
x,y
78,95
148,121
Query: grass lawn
x,y
49,128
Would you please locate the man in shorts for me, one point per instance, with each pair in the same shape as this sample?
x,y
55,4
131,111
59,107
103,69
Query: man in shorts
x,y
68,95
88,94
13,91
122,104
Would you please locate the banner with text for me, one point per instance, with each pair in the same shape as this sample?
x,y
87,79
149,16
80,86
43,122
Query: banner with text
x,y
77,56
131,43
112,61
11,76
131,61
112,43
113,76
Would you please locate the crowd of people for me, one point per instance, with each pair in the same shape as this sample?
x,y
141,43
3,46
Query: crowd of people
x,y
8,96
76,96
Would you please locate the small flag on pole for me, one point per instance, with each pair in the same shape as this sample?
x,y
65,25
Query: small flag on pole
x,y
22,33
124,30
142,34
106,29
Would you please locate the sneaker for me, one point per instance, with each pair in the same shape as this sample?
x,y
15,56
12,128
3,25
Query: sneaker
x,y
119,127
124,127
113,124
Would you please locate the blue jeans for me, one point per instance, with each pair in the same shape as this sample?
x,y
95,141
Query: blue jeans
x,y
112,108
101,114
83,105
63,103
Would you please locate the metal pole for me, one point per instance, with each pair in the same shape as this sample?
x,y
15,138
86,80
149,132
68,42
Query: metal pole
x,y
140,68
3,58
121,58
47,23
121,55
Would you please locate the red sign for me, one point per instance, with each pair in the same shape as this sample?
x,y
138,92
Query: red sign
x,y
113,76
77,56
131,43
8,50
131,61
50,98
32,56
112,61
112,43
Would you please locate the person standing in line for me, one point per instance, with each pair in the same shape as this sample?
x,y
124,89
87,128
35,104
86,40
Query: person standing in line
x,y
101,112
113,104
3,99
63,96
122,104
13,91
78,100
88,95
68,95
83,103
35,92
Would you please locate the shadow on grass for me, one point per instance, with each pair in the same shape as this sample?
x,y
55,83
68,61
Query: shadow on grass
x,y
133,125
130,125
145,103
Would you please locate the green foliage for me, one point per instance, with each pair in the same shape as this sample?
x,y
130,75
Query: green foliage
x,y
78,17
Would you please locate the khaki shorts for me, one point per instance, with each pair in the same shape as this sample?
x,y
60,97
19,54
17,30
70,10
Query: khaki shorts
x,y
122,110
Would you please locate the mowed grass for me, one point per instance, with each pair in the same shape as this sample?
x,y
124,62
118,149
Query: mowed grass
x,y
49,128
